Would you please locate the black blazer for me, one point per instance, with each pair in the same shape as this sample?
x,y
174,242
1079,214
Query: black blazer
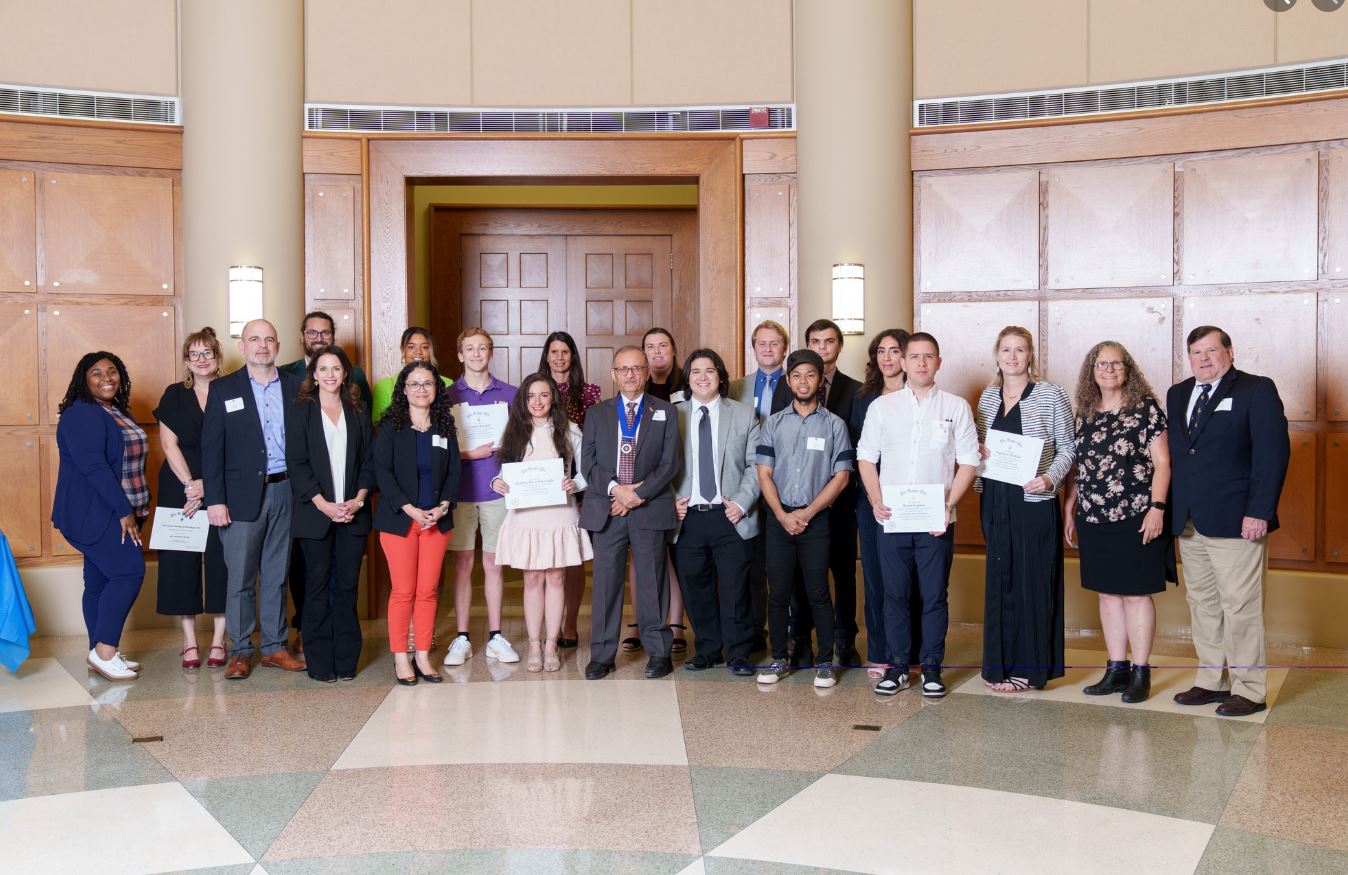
x,y
1234,464
659,460
233,449
395,470
310,467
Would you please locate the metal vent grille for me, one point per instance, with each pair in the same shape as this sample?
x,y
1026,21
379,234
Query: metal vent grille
x,y
1189,91
102,105
327,117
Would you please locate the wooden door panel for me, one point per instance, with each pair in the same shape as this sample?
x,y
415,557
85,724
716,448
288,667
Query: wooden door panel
x,y
19,389
1295,537
1336,497
967,332
1249,218
59,546
331,246
979,231
514,287
21,494
617,288
1336,214
1110,226
1336,354
143,337
1271,335
18,231
110,235
1143,325
768,226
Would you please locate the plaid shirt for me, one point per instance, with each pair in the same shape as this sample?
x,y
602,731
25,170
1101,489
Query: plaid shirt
x,y
134,447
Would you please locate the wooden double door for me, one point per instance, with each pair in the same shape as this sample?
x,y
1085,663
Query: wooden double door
x,y
604,289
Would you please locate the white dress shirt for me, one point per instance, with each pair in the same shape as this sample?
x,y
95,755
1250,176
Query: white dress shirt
x,y
1193,398
694,448
919,441
334,435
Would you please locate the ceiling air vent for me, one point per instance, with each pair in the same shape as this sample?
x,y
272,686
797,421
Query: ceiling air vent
x,y
101,105
1129,97
374,119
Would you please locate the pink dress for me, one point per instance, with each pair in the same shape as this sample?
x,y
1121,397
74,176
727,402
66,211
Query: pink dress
x,y
539,538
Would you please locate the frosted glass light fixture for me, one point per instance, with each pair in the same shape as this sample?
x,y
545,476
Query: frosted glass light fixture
x,y
245,297
849,297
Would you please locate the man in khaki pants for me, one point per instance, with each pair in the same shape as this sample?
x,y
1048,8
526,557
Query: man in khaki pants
x,y
1228,451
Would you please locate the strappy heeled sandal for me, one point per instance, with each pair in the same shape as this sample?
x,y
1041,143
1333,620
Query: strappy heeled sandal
x,y
679,644
631,642
535,660
552,660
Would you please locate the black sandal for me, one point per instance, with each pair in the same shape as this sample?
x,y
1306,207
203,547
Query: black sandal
x,y
631,643
679,644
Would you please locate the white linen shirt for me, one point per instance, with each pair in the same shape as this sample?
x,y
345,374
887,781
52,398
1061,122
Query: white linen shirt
x,y
919,441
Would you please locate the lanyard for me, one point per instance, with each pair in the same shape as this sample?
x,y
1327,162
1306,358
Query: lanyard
x,y
636,421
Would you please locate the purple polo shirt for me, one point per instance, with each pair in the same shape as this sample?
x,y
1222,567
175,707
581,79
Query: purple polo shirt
x,y
476,474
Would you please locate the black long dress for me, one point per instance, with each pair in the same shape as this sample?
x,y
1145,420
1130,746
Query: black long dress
x,y
1023,601
180,590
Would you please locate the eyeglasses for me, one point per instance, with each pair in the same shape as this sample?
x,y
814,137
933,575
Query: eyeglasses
x,y
1101,365
629,370
204,355
317,335
421,387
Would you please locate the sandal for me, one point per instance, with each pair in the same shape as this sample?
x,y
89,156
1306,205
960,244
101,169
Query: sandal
x,y
552,660
1012,685
214,661
679,644
631,642
535,660
876,671
190,662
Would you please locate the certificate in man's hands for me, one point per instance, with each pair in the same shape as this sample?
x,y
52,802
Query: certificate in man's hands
x,y
917,507
1014,459
480,424
533,484
173,531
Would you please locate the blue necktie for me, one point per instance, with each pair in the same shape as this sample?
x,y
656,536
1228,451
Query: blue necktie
x,y
1199,406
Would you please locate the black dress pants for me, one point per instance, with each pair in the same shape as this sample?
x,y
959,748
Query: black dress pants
x,y
712,563
842,566
807,553
331,630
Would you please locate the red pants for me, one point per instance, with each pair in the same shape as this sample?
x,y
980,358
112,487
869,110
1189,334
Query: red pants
x,y
414,562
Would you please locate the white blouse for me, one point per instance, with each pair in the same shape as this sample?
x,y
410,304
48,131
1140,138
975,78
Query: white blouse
x,y
334,435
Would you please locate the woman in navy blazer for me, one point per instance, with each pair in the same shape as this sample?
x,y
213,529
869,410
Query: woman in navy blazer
x,y
416,464
101,500
330,458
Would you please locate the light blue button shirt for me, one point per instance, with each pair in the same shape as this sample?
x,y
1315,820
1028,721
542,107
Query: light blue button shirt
x,y
271,410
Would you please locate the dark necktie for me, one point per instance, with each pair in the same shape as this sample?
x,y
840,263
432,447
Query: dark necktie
x,y
627,451
828,384
706,468
1199,406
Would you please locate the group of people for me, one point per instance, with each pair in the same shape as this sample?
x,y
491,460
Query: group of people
x,y
737,502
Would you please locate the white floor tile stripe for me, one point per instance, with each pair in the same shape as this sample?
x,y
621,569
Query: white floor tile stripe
x,y
40,683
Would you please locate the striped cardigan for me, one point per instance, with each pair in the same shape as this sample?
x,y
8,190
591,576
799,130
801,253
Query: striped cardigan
x,y
1045,413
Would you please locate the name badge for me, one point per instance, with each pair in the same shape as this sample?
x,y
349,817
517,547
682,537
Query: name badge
x,y
814,443
676,398
658,416
439,441
1224,405
233,405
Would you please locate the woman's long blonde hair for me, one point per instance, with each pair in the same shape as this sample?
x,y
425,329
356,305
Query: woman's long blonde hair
x,y
1023,334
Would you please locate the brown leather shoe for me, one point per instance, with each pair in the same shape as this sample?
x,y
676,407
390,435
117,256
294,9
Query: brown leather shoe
x,y
1200,696
1239,706
239,668
282,659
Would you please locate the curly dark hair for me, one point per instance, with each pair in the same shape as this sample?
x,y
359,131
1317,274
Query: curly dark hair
x,y
575,375
874,381
78,390
519,428
348,390
399,413
722,376
1136,389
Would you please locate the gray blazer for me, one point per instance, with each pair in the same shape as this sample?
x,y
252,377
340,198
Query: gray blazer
x,y
737,440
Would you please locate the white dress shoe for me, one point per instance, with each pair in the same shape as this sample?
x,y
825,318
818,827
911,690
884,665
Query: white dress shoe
x,y
113,669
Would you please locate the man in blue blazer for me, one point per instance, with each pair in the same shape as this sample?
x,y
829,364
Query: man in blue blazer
x,y
1228,451
243,462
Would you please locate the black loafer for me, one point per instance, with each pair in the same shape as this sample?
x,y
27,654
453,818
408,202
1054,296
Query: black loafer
x,y
1201,696
741,667
597,670
1239,706
701,663
659,666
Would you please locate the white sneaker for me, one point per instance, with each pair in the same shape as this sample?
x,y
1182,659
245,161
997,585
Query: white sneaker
x,y
460,651
499,648
130,663
113,669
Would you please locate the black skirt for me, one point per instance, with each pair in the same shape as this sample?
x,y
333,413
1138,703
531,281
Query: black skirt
x,y
1114,560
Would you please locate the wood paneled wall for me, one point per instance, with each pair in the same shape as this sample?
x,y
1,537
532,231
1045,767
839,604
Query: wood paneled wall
x,y
90,258
334,261
1142,250
769,238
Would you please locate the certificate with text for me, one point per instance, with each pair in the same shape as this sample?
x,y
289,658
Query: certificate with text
x,y
919,507
480,424
1014,459
174,531
533,484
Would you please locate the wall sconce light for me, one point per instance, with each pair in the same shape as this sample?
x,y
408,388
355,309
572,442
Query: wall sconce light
x,y
849,297
245,297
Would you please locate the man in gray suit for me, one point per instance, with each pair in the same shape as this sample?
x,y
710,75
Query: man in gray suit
x,y
630,451
715,499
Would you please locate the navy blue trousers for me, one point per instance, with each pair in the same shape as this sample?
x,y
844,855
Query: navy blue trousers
x,y
113,574
917,561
